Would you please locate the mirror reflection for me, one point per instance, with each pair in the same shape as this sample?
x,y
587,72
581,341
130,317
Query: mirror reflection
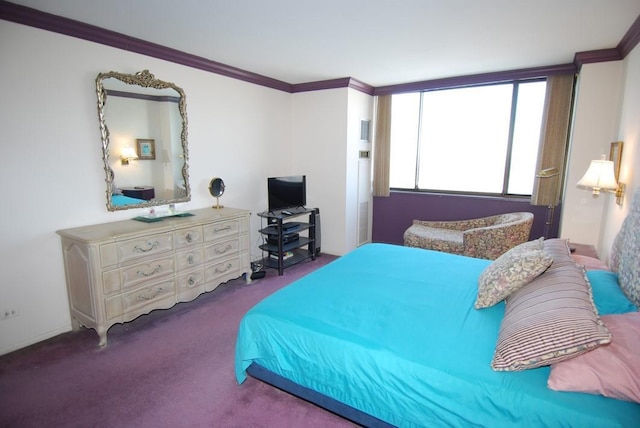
x,y
143,126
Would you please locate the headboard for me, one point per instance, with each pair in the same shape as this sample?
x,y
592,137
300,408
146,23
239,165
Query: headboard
x,y
625,253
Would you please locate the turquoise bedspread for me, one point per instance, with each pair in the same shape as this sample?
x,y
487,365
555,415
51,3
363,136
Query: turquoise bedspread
x,y
392,331
119,200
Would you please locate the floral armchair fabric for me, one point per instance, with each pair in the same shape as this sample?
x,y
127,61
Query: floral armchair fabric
x,y
484,238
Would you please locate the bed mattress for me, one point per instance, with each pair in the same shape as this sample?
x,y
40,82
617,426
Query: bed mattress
x,y
392,331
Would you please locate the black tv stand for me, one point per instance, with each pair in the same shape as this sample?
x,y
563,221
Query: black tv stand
x,y
282,249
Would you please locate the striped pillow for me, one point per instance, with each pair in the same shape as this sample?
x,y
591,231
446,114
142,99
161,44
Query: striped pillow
x,y
551,319
559,250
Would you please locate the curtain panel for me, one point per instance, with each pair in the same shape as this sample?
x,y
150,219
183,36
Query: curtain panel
x,y
554,134
382,147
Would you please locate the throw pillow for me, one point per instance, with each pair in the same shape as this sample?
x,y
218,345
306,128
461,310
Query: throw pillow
x,y
551,319
589,263
612,370
508,273
607,294
536,244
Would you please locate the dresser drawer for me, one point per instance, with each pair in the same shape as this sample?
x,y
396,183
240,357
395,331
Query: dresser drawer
x,y
189,236
119,305
189,259
221,249
148,271
143,247
220,230
191,279
214,272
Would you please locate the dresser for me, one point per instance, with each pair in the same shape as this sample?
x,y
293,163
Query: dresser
x,y
118,271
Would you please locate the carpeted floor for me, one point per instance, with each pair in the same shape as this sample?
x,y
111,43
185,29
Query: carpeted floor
x,y
170,368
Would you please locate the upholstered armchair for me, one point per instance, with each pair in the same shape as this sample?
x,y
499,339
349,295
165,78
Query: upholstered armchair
x,y
484,238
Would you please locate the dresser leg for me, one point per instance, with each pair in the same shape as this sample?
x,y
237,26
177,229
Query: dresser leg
x,y
102,334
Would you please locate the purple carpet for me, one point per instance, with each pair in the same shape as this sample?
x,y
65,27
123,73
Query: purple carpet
x,y
170,368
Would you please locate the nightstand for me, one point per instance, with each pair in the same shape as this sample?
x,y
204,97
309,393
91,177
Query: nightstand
x,y
583,250
139,192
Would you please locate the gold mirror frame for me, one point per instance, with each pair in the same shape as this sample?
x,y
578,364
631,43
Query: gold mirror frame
x,y
142,79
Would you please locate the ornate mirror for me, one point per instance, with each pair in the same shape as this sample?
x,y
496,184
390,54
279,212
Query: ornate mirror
x,y
216,188
143,125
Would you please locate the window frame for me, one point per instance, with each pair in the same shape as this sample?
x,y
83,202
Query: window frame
x,y
507,161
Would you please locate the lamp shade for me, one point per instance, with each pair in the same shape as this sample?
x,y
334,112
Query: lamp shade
x,y
599,176
129,153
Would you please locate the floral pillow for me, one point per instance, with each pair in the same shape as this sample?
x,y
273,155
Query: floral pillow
x,y
510,272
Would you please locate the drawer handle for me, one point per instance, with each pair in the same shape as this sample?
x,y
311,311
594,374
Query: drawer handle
x,y
153,272
189,238
226,268
143,298
224,250
222,229
190,259
150,246
191,281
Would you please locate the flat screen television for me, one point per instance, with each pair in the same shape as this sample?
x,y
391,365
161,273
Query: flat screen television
x,y
287,192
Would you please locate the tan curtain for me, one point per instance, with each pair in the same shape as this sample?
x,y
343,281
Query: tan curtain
x,y
382,147
553,141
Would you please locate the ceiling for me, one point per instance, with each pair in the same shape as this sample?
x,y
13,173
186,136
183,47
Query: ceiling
x,y
379,42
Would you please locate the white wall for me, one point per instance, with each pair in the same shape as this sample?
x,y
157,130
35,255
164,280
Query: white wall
x,y
326,141
595,122
629,133
319,132
607,110
360,107
54,178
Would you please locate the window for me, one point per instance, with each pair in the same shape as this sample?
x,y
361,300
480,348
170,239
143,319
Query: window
x,y
481,139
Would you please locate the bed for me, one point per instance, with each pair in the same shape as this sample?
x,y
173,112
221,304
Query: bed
x,y
390,336
120,200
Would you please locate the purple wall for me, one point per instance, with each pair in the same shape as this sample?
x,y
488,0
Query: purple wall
x,y
393,215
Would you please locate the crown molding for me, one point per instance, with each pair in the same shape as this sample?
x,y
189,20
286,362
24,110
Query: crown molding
x,y
600,55
58,24
477,79
630,39
345,82
46,21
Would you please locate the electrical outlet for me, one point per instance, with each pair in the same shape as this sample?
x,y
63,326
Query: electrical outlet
x,y
9,313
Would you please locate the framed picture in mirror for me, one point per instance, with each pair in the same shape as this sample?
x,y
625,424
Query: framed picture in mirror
x,y
146,149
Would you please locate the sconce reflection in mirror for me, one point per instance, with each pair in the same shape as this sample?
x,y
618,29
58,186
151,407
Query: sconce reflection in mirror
x,y
600,176
128,154
216,188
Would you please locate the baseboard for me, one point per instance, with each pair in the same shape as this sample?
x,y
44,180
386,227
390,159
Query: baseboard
x,y
33,340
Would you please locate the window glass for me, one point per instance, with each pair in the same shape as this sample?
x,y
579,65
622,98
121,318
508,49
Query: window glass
x,y
464,139
526,138
459,139
404,139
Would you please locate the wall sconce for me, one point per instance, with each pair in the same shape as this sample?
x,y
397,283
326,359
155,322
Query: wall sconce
x,y
600,176
128,154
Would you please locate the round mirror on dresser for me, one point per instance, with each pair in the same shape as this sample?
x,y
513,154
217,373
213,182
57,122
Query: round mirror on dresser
x,y
216,188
